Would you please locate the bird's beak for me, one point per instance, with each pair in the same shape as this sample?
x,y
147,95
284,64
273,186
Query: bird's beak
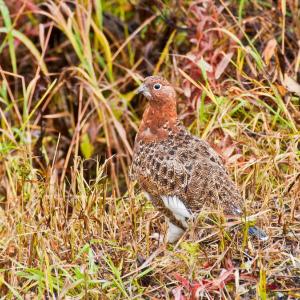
x,y
144,90
141,89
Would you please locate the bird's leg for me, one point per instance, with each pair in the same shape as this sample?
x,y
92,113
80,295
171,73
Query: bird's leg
x,y
176,226
174,232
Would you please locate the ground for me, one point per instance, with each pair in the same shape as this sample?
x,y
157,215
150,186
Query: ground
x,y
72,225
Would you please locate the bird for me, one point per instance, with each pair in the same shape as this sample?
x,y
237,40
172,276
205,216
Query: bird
x,y
179,172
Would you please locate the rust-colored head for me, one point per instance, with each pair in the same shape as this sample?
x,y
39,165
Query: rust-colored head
x,y
161,111
157,90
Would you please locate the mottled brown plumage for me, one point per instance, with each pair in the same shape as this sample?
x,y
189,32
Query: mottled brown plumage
x,y
180,172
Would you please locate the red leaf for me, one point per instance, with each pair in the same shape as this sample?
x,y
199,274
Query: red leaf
x,y
222,65
269,51
207,264
182,280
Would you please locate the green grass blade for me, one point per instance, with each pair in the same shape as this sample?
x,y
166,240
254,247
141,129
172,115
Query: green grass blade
x,y
30,46
7,22
105,46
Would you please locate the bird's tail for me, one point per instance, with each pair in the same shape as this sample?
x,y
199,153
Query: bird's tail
x,y
258,233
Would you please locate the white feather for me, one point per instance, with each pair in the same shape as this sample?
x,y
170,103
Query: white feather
x,y
174,204
174,233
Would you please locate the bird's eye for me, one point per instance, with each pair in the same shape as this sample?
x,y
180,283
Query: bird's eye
x,y
157,86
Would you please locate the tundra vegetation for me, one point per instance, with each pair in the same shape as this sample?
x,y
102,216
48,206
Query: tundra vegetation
x,y
72,225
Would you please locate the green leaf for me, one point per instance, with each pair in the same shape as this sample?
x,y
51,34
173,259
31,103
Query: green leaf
x,y
191,248
86,147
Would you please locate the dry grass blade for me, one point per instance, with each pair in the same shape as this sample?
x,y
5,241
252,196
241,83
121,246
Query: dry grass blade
x,y
72,225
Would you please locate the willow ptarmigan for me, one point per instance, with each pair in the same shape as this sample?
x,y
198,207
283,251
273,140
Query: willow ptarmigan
x,y
179,173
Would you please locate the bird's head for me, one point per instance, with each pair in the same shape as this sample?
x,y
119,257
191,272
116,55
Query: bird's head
x,y
157,90
161,110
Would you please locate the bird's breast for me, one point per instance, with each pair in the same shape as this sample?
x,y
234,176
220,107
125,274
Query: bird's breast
x,y
152,134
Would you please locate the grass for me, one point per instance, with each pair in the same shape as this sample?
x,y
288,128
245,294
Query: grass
x,y
72,225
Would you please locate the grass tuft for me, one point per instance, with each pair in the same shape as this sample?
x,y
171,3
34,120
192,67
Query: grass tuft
x,y
72,225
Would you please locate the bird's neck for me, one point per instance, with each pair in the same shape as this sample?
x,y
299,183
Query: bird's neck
x,y
157,119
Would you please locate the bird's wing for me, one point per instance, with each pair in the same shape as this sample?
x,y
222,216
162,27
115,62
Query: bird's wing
x,y
210,184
